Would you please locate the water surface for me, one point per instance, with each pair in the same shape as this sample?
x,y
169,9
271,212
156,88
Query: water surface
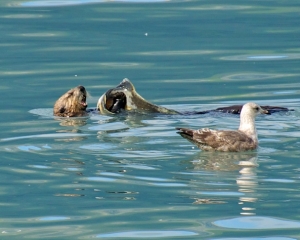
x,y
132,176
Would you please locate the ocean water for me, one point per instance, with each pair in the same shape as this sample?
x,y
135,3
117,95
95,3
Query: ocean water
x,y
132,176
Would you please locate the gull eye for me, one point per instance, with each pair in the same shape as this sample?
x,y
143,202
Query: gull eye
x,y
256,108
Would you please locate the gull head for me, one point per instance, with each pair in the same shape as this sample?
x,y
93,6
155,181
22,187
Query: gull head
x,y
251,110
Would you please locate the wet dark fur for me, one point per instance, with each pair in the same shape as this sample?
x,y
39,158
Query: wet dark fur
x,y
72,103
236,109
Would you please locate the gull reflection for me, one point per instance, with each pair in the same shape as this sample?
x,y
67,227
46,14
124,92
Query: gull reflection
x,y
246,178
247,183
219,161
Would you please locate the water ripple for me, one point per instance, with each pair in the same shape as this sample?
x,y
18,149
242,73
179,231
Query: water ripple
x,y
148,234
257,223
77,2
222,193
100,179
269,57
256,238
53,218
50,135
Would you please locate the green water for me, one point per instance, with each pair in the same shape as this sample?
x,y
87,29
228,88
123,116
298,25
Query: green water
x,y
132,176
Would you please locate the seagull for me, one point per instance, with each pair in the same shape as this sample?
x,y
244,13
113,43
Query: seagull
x,y
243,139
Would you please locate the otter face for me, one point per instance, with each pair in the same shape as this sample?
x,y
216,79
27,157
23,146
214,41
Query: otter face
x,y
115,101
72,103
80,94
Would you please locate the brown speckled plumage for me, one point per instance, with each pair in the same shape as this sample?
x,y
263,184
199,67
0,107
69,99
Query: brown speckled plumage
x,y
243,139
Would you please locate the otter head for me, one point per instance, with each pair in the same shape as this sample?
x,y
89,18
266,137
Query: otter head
x,y
80,95
72,103
115,100
125,98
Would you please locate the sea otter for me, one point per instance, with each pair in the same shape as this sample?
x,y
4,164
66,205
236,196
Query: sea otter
x,y
236,109
125,98
72,103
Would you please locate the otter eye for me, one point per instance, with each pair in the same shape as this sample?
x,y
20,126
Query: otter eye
x,y
83,98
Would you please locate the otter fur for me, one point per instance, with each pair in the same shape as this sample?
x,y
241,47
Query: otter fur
x,y
72,103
